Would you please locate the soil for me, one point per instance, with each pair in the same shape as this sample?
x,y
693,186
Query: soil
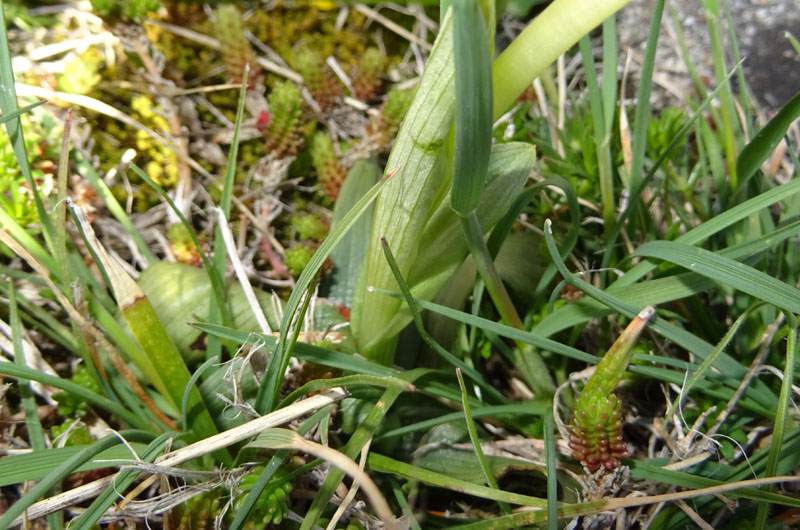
x,y
771,66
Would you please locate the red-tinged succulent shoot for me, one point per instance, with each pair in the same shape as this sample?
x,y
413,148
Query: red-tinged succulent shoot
x,y
329,171
393,110
284,124
318,78
235,48
595,432
367,75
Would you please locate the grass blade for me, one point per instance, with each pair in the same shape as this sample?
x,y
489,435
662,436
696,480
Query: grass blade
x,y
642,113
720,222
473,127
602,134
725,270
217,314
476,443
84,167
272,466
636,195
278,362
683,338
767,139
66,468
19,112
217,281
552,478
34,426
357,441
122,481
781,416
171,374
9,105
384,464
549,35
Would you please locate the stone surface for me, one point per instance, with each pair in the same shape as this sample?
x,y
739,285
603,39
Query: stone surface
x,y
772,66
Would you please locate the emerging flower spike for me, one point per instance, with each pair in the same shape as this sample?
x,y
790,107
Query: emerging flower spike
x,y
595,433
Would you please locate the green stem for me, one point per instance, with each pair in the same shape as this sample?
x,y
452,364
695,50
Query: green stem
x,y
549,35
779,429
485,265
596,426
726,98
602,136
476,443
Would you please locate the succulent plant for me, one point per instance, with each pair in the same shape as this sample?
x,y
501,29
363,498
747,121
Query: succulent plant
x,y
71,405
273,503
367,75
393,110
283,131
236,50
318,77
309,226
329,171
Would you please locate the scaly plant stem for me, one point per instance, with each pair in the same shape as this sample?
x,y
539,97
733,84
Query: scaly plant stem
x,y
596,426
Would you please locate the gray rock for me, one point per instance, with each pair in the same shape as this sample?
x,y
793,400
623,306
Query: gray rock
x,y
772,66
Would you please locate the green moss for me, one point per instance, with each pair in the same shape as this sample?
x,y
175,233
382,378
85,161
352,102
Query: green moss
x,y
309,226
42,144
297,258
72,406
128,9
76,436
81,73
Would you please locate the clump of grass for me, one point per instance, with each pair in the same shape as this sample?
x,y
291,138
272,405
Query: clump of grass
x,y
712,248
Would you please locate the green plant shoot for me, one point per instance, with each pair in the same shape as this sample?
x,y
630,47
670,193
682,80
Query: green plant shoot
x,y
596,427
